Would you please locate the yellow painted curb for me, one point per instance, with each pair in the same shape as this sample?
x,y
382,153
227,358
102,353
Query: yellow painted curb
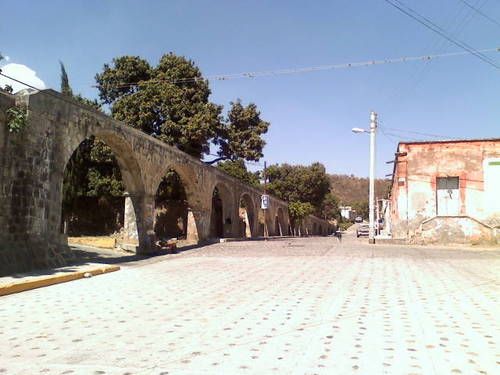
x,y
22,286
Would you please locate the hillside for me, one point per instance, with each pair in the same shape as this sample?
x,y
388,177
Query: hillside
x,y
351,189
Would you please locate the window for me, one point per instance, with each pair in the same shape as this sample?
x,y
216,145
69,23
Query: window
x,y
448,197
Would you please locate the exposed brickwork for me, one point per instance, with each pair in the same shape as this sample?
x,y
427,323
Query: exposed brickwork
x,y
414,198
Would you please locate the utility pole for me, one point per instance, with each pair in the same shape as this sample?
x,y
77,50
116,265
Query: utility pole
x,y
373,132
264,208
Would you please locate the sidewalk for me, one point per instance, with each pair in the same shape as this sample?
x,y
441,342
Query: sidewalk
x,y
38,279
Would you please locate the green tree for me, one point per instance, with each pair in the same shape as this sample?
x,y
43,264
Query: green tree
x,y
169,101
330,207
298,183
361,208
238,169
92,170
65,87
298,212
241,135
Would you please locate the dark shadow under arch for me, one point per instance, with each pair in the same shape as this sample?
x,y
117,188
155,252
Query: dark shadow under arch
x,y
171,207
221,218
126,169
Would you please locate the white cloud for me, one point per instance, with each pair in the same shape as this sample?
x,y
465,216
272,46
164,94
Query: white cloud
x,y
6,58
22,73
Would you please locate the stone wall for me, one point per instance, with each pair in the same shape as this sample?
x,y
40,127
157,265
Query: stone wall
x,y
31,177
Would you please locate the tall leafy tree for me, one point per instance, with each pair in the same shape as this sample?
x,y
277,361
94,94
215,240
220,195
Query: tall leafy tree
x,y
238,169
65,87
169,101
298,183
298,212
330,207
241,135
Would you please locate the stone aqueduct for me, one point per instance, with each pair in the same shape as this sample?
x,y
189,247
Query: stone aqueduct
x,y
32,164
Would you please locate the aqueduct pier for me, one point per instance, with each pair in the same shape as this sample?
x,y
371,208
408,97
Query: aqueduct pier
x,y
32,164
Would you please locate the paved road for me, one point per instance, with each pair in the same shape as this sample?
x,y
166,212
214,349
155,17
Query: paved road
x,y
302,306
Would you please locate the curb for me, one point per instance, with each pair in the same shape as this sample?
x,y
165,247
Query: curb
x,y
42,281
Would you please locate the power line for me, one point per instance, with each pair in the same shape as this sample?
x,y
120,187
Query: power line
x,y
418,74
289,71
480,12
392,139
432,26
45,92
418,133
76,103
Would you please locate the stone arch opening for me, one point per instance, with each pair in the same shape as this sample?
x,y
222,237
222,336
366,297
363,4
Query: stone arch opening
x,y
277,226
221,218
321,230
261,224
315,229
171,208
98,175
246,216
280,225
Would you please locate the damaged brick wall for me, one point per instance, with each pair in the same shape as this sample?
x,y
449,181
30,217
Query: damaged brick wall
x,y
416,197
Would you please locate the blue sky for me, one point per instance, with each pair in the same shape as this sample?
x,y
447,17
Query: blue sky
x,y
311,114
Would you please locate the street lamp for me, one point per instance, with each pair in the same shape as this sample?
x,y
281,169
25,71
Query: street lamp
x,y
373,132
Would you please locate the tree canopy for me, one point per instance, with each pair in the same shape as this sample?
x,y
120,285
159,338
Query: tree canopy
x,y
171,102
65,87
238,169
240,136
298,183
330,207
299,211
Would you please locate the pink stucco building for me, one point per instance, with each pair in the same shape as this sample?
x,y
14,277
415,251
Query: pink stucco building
x,y
446,191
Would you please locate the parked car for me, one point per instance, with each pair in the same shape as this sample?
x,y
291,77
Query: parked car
x,y
362,230
358,219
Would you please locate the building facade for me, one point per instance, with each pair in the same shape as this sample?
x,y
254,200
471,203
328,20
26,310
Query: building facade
x,y
446,192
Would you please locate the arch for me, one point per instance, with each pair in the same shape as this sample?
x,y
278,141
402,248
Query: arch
x,y
171,207
281,228
221,216
314,229
131,178
186,176
247,216
321,230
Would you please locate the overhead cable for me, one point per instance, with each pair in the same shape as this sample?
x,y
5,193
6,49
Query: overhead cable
x,y
266,73
437,29
481,13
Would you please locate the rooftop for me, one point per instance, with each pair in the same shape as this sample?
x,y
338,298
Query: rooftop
x,y
451,141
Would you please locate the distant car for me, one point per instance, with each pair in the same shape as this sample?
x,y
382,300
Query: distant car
x,y
363,230
358,219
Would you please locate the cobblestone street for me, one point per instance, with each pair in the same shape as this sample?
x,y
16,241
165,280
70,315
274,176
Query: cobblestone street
x,y
289,306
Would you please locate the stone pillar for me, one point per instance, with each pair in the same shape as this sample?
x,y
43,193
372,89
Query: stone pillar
x,y
200,223
140,206
246,219
130,233
192,230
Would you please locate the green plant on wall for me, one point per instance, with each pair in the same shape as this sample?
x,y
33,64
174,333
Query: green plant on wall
x,y
17,117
